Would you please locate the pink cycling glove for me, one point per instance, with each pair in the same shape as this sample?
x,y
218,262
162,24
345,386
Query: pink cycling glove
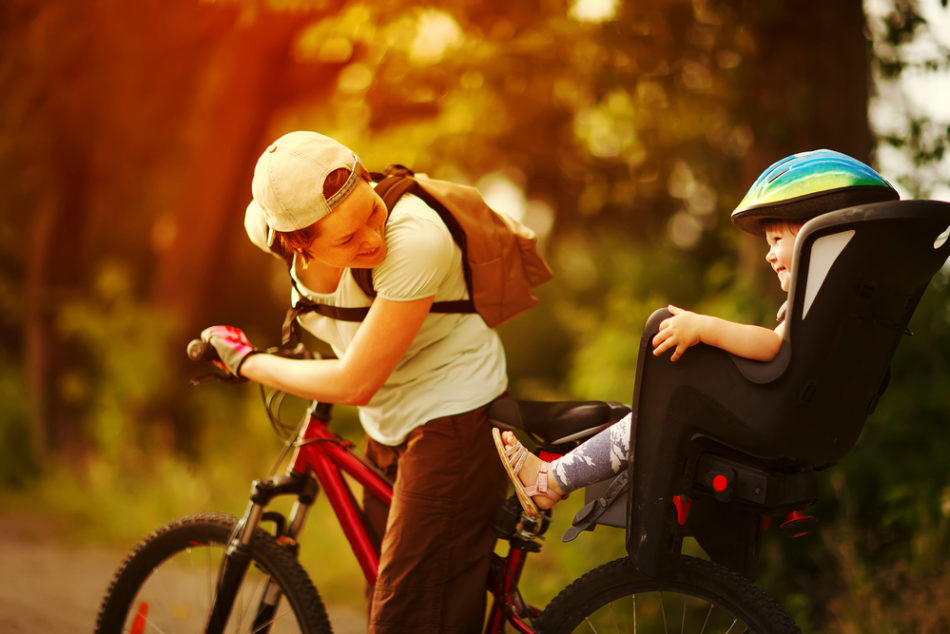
x,y
232,346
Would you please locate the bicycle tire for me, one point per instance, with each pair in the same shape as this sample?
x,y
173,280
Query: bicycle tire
x,y
615,597
155,587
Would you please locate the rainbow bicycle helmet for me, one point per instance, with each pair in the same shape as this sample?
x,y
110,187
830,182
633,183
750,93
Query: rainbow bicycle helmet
x,y
802,186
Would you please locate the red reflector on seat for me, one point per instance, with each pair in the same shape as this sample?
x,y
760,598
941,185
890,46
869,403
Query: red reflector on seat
x,y
682,505
720,482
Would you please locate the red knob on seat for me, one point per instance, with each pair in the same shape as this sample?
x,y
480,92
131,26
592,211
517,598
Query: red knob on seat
x,y
682,504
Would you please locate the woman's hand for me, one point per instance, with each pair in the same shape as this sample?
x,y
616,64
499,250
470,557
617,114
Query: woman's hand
x,y
682,330
232,346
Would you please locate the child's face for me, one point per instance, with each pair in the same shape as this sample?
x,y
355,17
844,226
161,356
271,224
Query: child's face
x,y
781,239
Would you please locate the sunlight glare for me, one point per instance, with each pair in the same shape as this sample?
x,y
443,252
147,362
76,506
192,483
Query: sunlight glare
x,y
436,33
502,194
593,10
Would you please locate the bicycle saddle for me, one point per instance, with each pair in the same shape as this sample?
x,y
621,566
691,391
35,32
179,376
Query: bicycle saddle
x,y
556,425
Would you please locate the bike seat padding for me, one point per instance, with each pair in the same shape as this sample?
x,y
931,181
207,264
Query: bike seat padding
x,y
556,424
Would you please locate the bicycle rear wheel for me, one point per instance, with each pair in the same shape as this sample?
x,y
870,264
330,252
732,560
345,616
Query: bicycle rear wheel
x,y
167,584
701,597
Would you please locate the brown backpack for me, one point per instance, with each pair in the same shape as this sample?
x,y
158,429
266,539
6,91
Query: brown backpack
x,y
500,259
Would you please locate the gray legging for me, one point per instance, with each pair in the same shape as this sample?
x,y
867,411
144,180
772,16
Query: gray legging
x,y
596,459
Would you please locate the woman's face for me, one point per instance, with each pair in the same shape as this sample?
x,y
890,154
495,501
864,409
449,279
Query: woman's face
x,y
353,234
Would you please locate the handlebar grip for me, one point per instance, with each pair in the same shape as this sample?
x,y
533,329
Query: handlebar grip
x,y
199,350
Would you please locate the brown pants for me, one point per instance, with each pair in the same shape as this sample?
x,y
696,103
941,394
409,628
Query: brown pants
x,y
437,539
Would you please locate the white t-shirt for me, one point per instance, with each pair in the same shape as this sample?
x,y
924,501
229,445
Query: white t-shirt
x,y
455,364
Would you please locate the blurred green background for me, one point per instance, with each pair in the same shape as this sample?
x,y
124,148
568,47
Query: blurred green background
x,y
624,132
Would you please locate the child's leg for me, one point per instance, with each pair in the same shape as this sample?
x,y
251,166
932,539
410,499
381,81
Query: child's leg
x,y
596,459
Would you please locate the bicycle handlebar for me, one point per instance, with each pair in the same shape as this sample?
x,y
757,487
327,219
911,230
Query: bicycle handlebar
x,y
199,350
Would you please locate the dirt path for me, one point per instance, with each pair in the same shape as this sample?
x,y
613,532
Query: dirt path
x,y
48,587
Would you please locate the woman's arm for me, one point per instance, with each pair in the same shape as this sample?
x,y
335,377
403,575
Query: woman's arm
x,y
685,329
380,343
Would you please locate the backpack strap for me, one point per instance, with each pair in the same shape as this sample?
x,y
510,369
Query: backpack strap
x,y
290,329
392,184
290,332
396,181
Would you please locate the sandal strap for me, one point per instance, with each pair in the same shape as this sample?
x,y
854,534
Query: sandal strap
x,y
540,486
517,454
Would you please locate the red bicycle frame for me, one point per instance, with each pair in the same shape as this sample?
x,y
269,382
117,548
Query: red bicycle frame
x,y
327,456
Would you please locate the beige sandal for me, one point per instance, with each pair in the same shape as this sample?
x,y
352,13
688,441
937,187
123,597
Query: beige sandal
x,y
513,458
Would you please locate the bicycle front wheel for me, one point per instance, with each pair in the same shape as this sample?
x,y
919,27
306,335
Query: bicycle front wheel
x,y
167,584
701,597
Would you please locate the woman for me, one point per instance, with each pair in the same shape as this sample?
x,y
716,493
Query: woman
x,y
422,381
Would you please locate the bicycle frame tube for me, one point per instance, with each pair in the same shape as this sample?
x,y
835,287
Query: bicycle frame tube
x,y
322,453
504,587
329,457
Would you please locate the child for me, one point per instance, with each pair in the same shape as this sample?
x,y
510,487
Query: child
x,y
781,200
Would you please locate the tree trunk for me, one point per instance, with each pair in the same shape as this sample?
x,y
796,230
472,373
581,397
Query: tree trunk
x,y
230,140
808,84
56,275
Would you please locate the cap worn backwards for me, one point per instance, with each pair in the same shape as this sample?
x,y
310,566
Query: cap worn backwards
x,y
289,176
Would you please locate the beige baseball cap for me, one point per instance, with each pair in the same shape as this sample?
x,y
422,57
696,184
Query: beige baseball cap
x,y
288,180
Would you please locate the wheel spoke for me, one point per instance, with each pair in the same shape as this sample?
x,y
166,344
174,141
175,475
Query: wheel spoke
x,y
683,622
613,617
656,611
706,621
590,625
211,576
152,627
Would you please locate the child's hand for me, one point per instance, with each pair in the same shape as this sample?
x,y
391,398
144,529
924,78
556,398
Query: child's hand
x,y
680,331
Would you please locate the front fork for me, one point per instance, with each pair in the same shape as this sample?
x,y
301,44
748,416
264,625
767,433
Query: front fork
x,y
237,557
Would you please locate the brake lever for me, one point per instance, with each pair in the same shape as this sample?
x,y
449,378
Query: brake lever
x,y
221,378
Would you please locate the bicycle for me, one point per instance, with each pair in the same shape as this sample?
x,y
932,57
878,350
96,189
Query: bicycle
x,y
251,579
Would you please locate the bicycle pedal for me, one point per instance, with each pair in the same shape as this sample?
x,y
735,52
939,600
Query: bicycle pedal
x,y
536,527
